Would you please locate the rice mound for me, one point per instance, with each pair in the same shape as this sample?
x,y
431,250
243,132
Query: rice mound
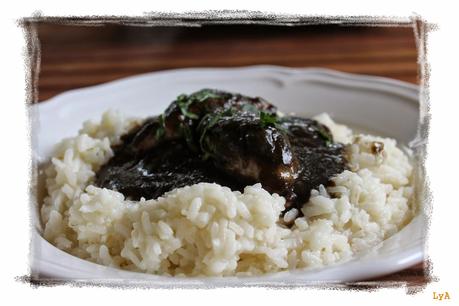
x,y
207,229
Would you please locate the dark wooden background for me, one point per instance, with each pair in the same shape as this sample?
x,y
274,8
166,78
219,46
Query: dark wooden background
x,y
77,56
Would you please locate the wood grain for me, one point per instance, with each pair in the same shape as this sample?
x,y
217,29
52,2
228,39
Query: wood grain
x,y
78,56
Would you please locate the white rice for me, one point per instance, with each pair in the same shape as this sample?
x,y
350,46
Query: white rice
x,y
207,229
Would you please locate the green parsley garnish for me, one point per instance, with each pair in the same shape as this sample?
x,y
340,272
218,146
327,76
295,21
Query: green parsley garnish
x,y
189,138
207,123
268,119
250,108
325,135
184,101
162,127
203,95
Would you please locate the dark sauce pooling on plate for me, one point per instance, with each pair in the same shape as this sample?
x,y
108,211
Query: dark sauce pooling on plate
x,y
230,139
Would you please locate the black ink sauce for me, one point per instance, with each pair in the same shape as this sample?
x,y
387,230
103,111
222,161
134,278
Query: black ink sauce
x,y
225,138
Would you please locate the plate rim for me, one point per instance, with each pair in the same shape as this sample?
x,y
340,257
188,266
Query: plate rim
x,y
333,75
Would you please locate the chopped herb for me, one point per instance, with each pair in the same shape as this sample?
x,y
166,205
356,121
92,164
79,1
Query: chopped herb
x,y
209,148
161,128
188,114
268,119
188,134
325,135
207,123
250,108
184,102
203,95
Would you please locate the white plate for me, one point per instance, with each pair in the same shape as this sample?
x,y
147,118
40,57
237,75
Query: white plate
x,y
384,106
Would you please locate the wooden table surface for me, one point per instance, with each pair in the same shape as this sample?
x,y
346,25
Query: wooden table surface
x,y
77,56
